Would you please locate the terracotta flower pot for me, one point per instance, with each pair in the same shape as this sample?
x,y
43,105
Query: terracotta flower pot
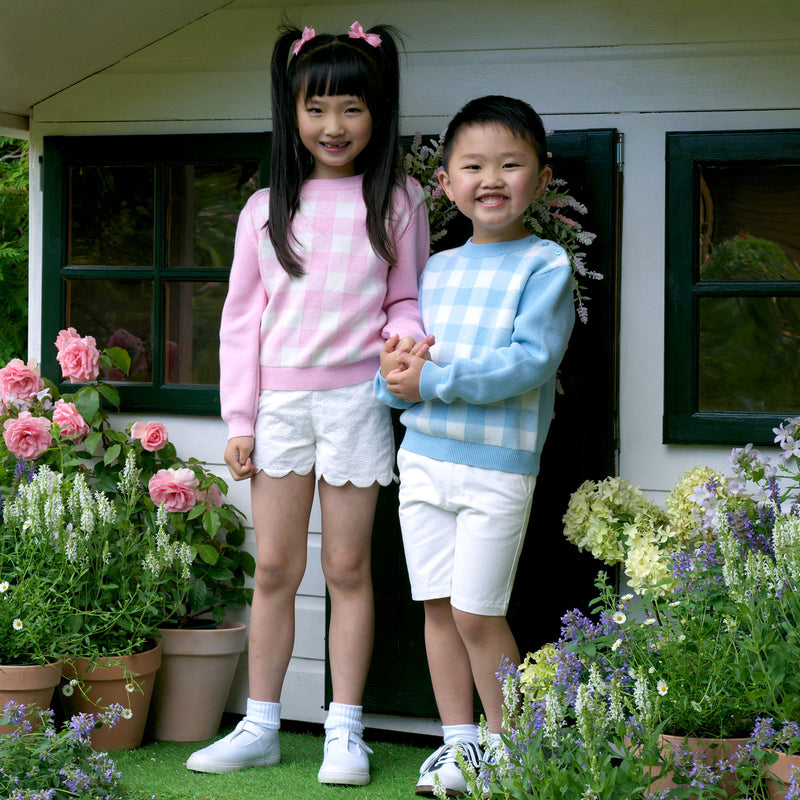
x,y
192,686
108,681
28,685
709,750
780,773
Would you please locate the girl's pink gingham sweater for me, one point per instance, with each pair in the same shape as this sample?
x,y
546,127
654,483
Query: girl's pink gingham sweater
x,y
326,328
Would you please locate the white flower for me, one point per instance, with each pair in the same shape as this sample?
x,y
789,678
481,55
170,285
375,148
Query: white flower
x,y
661,687
126,713
696,706
627,597
617,644
4,587
619,618
129,687
68,690
650,621
17,624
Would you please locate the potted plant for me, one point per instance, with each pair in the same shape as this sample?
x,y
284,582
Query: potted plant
x,y
162,502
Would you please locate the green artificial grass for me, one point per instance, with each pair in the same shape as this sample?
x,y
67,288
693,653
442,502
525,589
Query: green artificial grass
x,y
156,771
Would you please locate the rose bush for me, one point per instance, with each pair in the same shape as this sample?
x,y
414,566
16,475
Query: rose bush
x,y
180,500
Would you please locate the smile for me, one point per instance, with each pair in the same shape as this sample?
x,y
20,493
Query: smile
x,y
334,147
492,200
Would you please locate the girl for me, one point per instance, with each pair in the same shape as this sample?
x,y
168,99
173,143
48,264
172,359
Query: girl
x,y
325,270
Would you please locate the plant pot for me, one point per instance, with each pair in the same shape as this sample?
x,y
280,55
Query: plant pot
x,y
108,681
708,750
28,685
780,773
192,686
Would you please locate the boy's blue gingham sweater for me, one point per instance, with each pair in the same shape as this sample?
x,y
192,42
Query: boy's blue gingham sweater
x,y
502,315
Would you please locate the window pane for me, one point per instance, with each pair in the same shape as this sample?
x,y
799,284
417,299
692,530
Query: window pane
x,y
118,313
192,347
750,222
204,205
748,358
110,216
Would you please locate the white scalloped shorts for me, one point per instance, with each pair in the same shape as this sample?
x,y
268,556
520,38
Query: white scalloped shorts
x,y
344,434
463,530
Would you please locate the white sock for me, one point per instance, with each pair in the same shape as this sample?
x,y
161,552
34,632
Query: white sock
x,y
341,715
264,713
453,733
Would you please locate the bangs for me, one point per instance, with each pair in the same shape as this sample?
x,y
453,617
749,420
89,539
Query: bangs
x,y
341,73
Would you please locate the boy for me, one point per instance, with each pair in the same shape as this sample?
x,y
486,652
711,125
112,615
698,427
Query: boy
x,y
500,308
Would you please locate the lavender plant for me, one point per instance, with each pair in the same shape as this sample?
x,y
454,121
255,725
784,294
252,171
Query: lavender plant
x,y
41,762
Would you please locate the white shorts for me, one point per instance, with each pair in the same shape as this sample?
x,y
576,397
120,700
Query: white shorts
x,y
463,529
345,434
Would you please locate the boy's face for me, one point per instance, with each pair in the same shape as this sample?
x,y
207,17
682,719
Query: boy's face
x,y
492,176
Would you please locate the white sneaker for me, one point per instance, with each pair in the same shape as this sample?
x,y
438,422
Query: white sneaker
x,y
442,764
346,760
247,745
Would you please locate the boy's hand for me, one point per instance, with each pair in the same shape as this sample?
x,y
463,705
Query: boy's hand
x,y
404,381
237,457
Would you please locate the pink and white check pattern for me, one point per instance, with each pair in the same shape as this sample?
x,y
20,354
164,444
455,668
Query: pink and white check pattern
x,y
326,328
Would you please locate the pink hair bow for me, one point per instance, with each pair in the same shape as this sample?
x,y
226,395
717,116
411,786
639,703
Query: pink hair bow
x,y
308,35
357,32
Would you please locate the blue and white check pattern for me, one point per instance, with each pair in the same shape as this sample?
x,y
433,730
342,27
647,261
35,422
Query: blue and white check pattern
x,y
502,315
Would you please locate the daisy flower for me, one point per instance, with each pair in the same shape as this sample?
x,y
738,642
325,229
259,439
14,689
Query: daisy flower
x,y
619,618
4,587
17,624
661,687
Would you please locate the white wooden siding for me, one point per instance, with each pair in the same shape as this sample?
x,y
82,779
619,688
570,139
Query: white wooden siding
x,y
643,66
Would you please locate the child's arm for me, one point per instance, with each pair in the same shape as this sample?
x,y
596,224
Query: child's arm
x,y
542,328
240,327
412,248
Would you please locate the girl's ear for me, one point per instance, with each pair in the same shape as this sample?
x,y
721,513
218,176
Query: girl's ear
x,y
444,182
545,176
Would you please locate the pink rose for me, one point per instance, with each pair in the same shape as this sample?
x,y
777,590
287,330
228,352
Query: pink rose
x,y
153,436
65,335
79,357
70,423
27,436
211,496
20,380
175,488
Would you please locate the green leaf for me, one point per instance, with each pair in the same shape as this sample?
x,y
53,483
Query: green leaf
x,y
198,594
110,393
120,358
91,441
112,453
208,553
87,401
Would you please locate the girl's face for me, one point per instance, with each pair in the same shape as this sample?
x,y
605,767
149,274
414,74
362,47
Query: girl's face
x,y
334,129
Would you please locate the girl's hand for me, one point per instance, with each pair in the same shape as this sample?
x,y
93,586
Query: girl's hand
x,y
237,457
389,355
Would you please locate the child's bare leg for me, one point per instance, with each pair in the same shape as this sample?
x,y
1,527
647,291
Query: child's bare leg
x,y
281,509
348,513
488,640
449,664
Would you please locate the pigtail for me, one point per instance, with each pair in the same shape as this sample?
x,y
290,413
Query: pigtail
x,y
290,162
382,175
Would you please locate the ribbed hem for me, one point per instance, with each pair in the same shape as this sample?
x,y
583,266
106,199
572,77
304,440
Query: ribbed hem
x,y
341,715
306,378
264,713
504,459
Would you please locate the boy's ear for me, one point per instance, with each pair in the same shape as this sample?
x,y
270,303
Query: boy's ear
x,y
545,176
444,182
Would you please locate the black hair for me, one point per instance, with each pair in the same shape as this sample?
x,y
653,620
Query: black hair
x,y
334,65
515,115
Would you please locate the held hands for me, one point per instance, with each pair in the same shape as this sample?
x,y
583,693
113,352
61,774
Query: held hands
x,y
401,364
237,457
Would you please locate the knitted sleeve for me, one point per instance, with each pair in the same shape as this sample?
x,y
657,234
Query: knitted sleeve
x,y
239,335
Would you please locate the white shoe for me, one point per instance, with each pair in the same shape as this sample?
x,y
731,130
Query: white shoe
x,y
346,760
442,764
247,745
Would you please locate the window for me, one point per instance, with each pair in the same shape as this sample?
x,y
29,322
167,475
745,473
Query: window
x,y
138,242
733,285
